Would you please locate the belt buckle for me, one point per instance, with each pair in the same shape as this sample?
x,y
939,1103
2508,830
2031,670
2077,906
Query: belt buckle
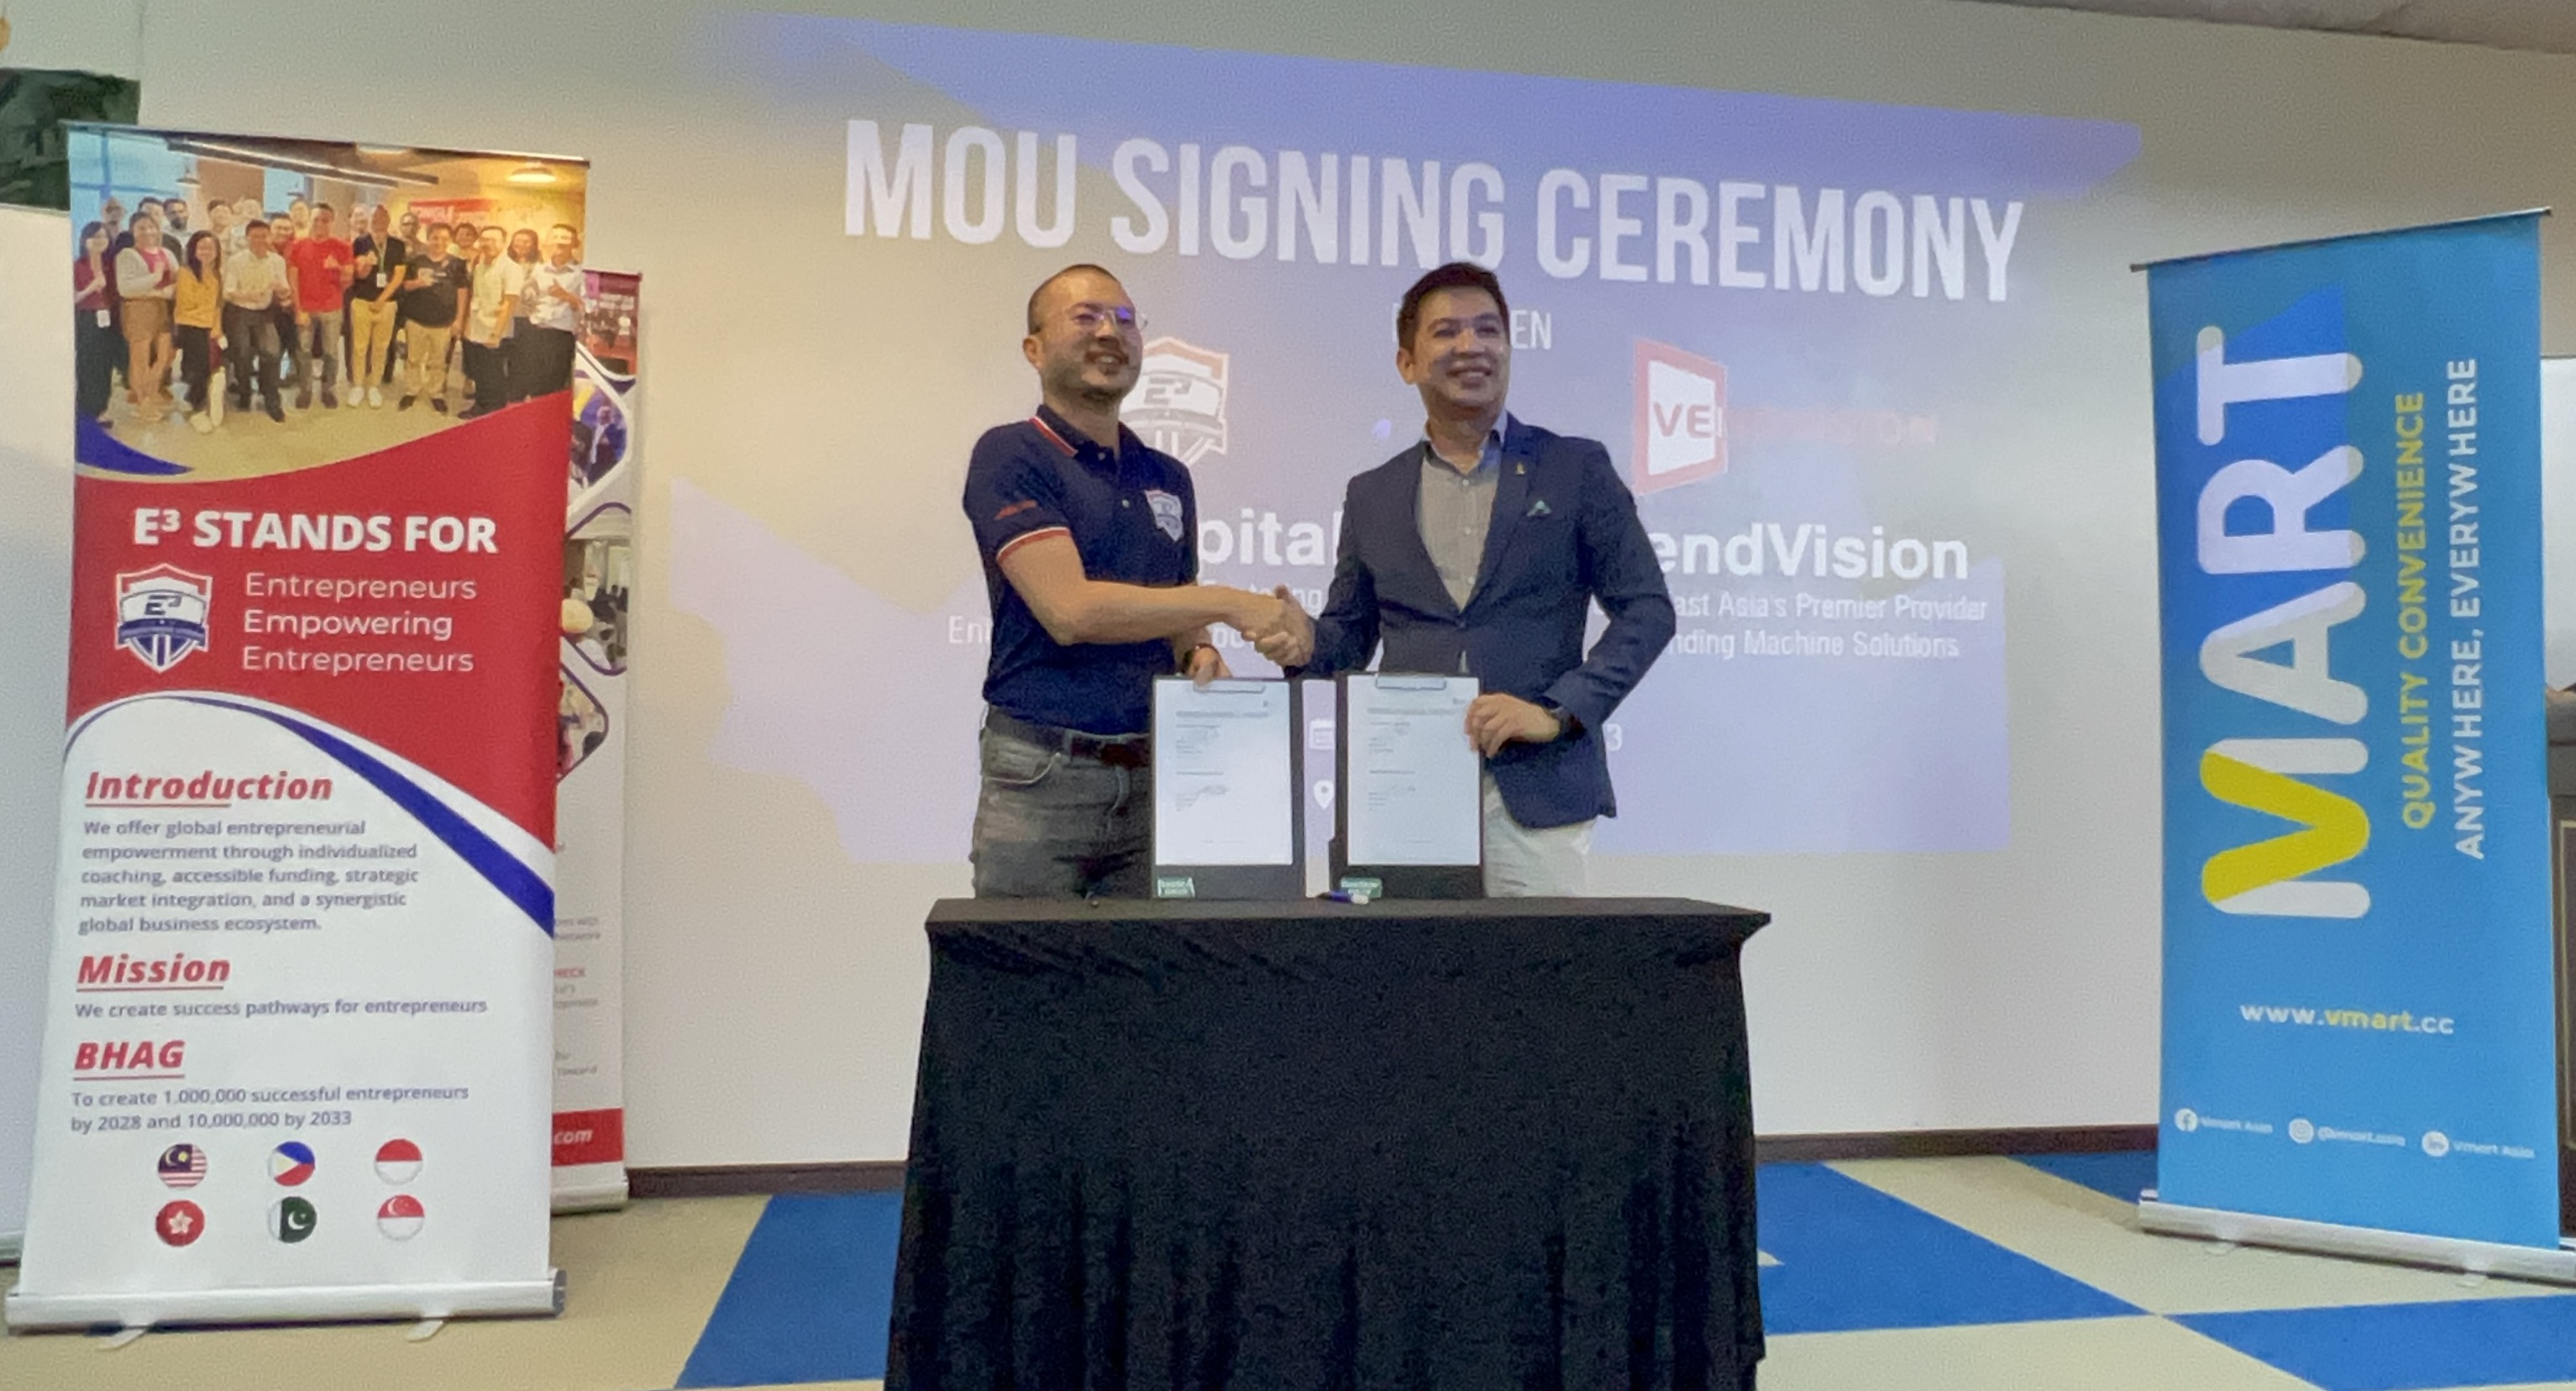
x,y
1122,753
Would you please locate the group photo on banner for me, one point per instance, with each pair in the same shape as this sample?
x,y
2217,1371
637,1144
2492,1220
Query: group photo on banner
x,y
298,1049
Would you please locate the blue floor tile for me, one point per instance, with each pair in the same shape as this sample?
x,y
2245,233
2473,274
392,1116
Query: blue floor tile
x,y
1851,1257
2123,1175
2405,1347
810,1297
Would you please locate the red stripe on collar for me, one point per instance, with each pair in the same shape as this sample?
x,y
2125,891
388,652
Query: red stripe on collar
x,y
1049,432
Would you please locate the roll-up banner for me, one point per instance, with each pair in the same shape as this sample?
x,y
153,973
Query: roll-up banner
x,y
2359,1046
299,1008
590,754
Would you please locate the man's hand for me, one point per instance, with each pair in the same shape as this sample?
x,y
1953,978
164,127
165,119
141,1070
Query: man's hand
x,y
1495,719
1257,615
1292,642
1206,664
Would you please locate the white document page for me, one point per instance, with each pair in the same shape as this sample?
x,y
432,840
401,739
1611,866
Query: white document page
x,y
1224,788
1416,792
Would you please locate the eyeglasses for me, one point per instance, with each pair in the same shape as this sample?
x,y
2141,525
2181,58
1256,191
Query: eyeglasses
x,y
1091,318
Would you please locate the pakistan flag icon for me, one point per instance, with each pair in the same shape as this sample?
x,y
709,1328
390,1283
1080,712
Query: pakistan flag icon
x,y
291,1219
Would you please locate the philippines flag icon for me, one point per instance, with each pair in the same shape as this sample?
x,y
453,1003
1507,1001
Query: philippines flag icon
x,y
400,1217
291,1163
398,1161
183,1166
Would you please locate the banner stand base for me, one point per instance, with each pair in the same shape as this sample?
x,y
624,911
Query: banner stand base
x,y
589,1188
2363,1243
541,1298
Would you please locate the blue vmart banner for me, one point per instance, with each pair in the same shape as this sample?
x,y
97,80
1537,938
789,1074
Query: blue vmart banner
x,y
2359,1022
296,1060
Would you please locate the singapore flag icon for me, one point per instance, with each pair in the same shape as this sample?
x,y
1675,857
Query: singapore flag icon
x,y
1681,417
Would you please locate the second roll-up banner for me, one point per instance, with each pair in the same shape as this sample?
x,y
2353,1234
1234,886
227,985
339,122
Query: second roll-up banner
x,y
590,754
296,1046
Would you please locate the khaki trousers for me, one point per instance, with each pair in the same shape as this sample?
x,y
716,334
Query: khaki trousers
x,y
426,347
371,339
1523,863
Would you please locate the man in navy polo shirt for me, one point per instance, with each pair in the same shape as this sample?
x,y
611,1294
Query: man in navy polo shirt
x,y
1090,543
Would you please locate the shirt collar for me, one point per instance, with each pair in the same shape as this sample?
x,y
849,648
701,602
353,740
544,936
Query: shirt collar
x,y
1492,457
1081,446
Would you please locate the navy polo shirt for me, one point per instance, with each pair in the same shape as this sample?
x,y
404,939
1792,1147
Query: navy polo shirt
x,y
1131,514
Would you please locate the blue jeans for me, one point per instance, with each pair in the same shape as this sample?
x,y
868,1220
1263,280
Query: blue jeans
x,y
1050,825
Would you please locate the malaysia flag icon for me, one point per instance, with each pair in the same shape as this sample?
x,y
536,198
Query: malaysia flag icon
x,y
183,1166
401,1217
398,1161
291,1163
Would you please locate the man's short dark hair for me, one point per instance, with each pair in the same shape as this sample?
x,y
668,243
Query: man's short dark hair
x,y
1457,275
1076,269
256,224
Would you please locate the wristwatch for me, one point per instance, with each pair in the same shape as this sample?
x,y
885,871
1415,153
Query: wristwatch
x,y
1566,725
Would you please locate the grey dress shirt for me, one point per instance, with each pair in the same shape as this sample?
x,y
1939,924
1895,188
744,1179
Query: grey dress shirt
x,y
1457,509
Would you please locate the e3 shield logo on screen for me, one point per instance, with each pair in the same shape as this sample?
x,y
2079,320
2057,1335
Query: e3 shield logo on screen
x,y
1681,417
1179,403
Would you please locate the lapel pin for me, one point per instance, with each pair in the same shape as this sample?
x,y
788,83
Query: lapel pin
x,y
1539,508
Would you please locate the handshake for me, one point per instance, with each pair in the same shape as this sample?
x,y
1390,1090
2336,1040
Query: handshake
x,y
1276,625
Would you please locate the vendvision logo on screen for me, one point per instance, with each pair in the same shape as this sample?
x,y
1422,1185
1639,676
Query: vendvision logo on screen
x,y
1681,417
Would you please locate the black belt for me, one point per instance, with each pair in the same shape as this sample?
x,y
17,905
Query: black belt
x,y
1110,750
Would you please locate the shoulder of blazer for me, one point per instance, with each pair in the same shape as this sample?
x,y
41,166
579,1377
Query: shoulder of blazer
x,y
1388,478
1545,446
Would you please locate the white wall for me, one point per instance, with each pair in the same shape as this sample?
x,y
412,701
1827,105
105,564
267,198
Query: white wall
x,y
35,617
774,982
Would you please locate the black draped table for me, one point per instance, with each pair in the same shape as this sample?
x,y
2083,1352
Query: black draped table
x,y
1495,1145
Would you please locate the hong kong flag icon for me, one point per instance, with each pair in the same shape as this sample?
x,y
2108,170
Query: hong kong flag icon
x,y
401,1217
398,1162
180,1223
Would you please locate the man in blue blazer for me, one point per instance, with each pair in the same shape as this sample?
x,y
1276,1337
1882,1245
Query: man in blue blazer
x,y
1480,551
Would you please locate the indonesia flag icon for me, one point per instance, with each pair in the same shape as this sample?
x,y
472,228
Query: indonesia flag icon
x,y
398,1161
400,1217
291,1163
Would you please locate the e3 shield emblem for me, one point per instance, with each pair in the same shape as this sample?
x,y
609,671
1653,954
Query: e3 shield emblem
x,y
161,614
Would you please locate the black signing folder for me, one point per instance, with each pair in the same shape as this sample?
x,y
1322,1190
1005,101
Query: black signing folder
x,y
1229,814
1408,803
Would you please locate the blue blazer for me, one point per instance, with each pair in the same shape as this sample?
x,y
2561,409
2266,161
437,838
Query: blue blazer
x,y
1565,534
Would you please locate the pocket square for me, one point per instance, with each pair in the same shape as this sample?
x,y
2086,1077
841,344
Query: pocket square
x,y
1538,508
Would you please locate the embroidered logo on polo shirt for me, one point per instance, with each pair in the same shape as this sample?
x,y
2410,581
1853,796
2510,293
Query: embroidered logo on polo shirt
x,y
1167,511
